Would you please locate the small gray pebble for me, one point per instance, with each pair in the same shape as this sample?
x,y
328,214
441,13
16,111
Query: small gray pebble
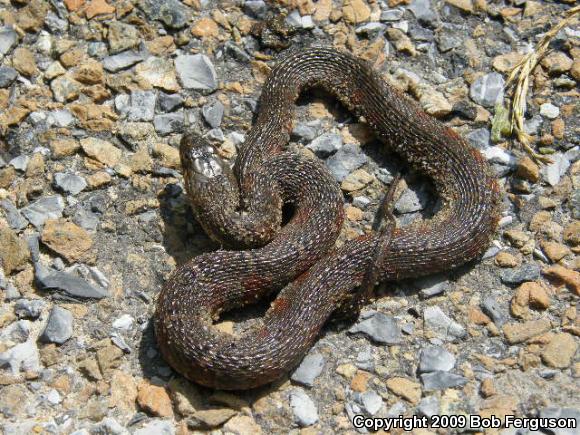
x,y
70,183
379,327
59,327
309,369
440,380
435,358
526,272
304,409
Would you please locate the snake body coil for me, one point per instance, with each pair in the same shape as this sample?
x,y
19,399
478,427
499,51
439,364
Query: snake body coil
x,y
243,209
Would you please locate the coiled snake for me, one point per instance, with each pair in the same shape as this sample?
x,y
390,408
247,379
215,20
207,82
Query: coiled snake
x,y
243,208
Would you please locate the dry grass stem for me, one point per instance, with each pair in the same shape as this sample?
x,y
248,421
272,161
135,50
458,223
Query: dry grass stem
x,y
519,78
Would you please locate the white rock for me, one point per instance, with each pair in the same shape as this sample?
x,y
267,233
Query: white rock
x,y
549,110
124,322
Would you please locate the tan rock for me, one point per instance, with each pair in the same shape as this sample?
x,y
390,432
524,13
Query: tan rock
x,y
576,370
94,116
318,109
499,405
98,179
528,169
570,278
98,7
140,205
532,8
7,176
5,319
90,73
521,300
35,166
98,93
168,155
123,391
122,36
575,70
158,72
64,147
405,388
505,259
432,101
464,5
74,5
161,45
31,17
123,170
554,251
488,388
73,57
359,381
529,361
401,41
205,28
571,233
14,116
230,400
186,396
101,150
67,239
353,213
355,11
547,203
242,425
476,316
109,358
517,238
14,251
539,297
322,10
560,351
519,332
4,98
505,62
346,370
49,354
557,63
15,399
220,18
357,132
558,128
211,418
154,400
510,13
90,368
23,61
356,180
141,161
540,220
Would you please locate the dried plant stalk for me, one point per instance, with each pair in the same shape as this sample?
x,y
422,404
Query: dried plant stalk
x,y
519,78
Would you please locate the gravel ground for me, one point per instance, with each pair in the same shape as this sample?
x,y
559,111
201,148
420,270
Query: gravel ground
x,y
94,97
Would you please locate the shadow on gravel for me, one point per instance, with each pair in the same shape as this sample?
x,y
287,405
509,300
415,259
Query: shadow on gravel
x,y
183,237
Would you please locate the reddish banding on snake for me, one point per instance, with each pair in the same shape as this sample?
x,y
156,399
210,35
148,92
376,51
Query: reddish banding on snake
x,y
243,209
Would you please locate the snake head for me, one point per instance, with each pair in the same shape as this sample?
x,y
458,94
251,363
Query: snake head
x,y
199,159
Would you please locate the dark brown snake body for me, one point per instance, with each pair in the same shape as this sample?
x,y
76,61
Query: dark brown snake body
x,y
244,210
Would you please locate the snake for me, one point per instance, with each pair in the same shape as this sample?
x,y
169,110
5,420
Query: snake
x,y
296,258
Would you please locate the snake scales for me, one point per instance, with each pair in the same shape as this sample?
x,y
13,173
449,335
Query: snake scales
x,y
243,208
